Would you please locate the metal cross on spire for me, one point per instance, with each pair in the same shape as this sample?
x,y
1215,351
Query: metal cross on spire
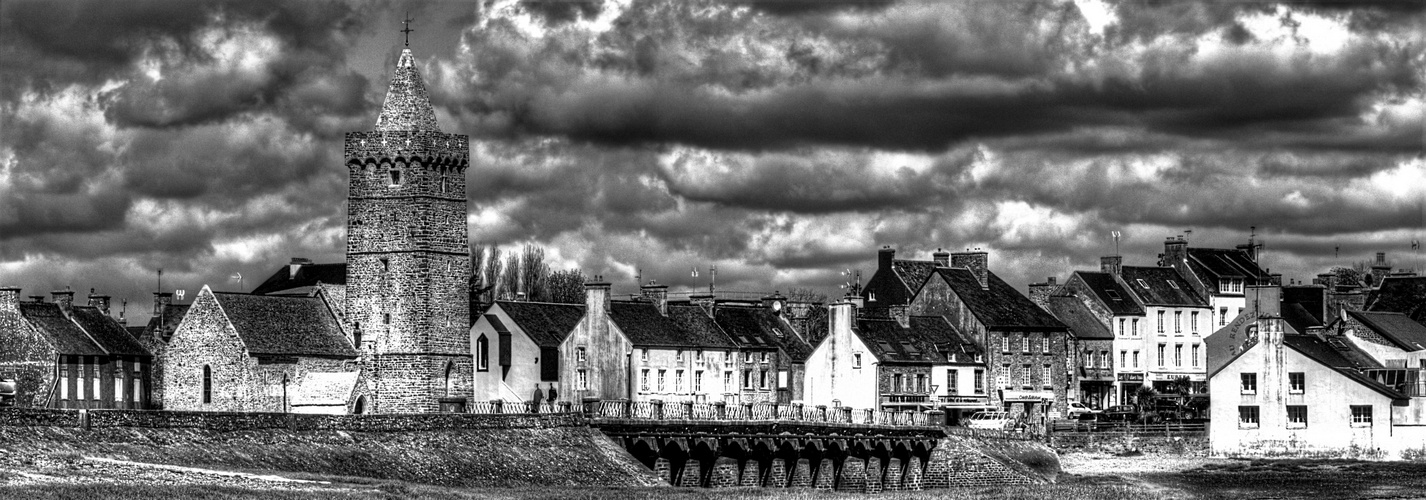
x,y
407,29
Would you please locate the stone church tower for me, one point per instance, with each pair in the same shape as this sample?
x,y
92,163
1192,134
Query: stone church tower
x,y
407,263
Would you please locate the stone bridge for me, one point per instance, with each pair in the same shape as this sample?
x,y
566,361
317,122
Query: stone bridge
x,y
792,445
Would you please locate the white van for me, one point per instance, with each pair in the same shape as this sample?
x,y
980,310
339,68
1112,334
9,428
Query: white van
x,y
998,420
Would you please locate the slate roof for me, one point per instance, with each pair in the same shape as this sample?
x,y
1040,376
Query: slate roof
x,y
325,388
407,105
307,276
1224,262
924,340
1110,293
1299,318
547,324
1396,327
1332,357
642,323
163,325
1081,322
111,336
698,326
1165,287
914,272
66,336
900,285
763,328
286,326
999,304
1403,294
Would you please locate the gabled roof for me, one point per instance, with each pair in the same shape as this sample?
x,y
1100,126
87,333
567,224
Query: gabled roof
x,y
1110,293
898,286
1160,286
923,340
1403,294
762,327
645,327
913,272
308,275
1332,356
547,324
1080,320
1395,327
66,336
285,326
999,304
111,336
161,326
1224,262
407,105
697,324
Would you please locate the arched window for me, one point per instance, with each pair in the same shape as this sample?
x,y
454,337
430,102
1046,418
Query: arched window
x,y
356,335
207,385
482,354
450,378
360,406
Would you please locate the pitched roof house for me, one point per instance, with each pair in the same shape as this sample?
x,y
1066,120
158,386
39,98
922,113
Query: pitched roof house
x,y
67,356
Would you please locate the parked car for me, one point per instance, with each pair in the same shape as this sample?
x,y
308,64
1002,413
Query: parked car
x,y
7,392
1076,409
1121,413
997,420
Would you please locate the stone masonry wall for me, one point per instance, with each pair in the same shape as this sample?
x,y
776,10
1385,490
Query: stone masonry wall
x,y
245,421
26,356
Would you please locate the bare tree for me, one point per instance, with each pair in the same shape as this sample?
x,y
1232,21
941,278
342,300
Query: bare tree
x,y
566,287
806,294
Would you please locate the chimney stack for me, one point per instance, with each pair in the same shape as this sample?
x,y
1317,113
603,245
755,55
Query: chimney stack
x,y
902,314
884,258
65,299
1176,256
976,261
942,258
1040,292
161,300
10,299
656,293
1111,264
100,302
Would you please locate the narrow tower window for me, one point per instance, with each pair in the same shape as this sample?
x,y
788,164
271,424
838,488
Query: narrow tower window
x,y
482,354
207,384
395,177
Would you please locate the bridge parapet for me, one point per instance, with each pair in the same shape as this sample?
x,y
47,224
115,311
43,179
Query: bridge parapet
x,y
623,409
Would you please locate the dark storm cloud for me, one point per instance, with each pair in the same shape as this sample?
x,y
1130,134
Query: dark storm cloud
x,y
562,11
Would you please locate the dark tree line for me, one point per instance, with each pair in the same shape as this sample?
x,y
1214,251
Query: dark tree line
x,y
498,275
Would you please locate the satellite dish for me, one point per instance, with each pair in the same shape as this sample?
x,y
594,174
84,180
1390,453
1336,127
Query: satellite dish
x,y
178,293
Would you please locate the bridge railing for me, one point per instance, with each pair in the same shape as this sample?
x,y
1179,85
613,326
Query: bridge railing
x,y
687,410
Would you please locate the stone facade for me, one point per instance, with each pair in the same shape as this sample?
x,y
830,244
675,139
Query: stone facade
x,y
27,357
407,254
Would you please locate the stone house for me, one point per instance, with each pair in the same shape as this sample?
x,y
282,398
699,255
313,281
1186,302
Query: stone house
x,y
895,362
1108,299
1026,350
516,347
774,351
155,336
896,281
239,352
1283,390
1092,348
67,356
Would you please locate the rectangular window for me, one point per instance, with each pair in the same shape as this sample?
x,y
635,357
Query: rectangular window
x,y
644,355
1247,417
95,392
138,386
678,355
1193,322
762,379
583,380
1161,354
1121,327
1222,316
644,380
1161,322
699,357
764,358
118,387
782,379
1045,378
661,381
1296,416
727,358
747,357
747,379
727,381
857,360
1178,355
678,381
1045,344
1025,343
951,387
1002,379
1025,375
1123,359
1178,322
1248,383
580,356
920,382
64,382
1135,331
1005,343
1296,382
896,383
1104,360
698,381
1361,415
980,381
1195,355
1136,359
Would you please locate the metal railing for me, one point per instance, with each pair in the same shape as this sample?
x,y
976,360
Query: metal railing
x,y
1159,429
718,412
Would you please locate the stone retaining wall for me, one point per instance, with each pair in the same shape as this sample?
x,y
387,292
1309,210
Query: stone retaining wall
x,y
1190,445
222,421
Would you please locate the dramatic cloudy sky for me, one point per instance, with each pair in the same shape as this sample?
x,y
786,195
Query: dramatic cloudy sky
x,y
784,141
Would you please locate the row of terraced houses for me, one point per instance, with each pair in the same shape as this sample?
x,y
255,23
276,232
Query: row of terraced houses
x,y
392,330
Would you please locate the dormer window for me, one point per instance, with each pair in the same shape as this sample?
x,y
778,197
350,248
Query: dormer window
x,y
1113,295
1142,283
1172,284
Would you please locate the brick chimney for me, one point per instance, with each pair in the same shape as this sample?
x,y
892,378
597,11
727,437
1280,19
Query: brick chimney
x,y
161,300
942,258
976,261
65,299
100,302
296,265
10,299
884,258
902,314
1111,264
1040,292
1176,256
656,293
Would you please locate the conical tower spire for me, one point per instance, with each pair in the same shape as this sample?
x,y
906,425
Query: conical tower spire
x,y
407,106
